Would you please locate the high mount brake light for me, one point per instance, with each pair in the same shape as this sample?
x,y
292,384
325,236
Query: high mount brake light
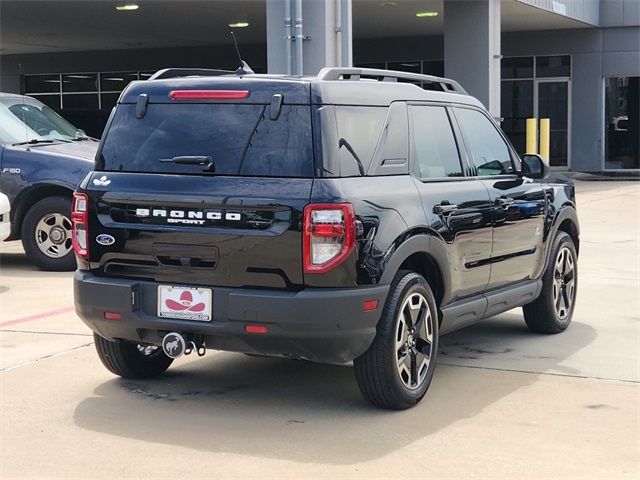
x,y
208,94
329,232
79,218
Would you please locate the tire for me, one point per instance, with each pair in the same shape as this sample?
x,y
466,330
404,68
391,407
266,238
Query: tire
x,y
552,311
383,378
127,359
46,234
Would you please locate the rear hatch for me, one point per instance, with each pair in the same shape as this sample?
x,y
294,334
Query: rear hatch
x,y
197,189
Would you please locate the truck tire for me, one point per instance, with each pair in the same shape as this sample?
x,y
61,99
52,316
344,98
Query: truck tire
x,y
46,234
396,370
552,311
131,360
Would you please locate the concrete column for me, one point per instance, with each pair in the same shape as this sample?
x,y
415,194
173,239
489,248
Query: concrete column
x,y
326,26
472,48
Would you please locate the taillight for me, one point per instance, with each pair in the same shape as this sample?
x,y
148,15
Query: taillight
x,y
208,94
79,216
329,235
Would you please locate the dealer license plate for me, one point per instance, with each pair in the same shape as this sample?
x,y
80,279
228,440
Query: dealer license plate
x,y
184,303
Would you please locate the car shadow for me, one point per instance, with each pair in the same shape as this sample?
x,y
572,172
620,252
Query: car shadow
x,y
305,412
17,264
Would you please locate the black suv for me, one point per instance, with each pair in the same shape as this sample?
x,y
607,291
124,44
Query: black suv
x,y
353,216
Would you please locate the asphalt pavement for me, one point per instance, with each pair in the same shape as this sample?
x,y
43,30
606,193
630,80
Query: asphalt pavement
x,y
504,403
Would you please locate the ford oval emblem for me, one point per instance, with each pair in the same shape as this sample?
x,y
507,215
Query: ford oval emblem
x,y
104,239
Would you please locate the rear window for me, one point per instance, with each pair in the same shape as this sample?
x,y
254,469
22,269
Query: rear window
x,y
240,139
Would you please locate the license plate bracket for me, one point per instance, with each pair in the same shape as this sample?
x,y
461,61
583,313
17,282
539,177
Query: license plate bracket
x,y
185,303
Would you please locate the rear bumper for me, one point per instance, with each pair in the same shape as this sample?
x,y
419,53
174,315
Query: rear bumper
x,y
323,325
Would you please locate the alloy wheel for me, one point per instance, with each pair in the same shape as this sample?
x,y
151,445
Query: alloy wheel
x,y
564,283
414,340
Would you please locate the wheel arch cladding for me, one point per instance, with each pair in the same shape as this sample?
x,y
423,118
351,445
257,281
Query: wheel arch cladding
x,y
570,228
29,198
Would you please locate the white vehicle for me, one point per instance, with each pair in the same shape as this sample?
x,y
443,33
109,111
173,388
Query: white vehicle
x,y
5,210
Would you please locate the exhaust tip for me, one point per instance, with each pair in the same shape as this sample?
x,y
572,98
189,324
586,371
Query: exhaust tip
x,y
173,345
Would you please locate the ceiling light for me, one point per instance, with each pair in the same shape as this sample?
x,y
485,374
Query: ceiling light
x,y
239,25
127,7
388,4
426,14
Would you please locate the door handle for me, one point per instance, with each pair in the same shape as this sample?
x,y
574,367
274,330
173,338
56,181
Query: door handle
x,y
505,202
444,208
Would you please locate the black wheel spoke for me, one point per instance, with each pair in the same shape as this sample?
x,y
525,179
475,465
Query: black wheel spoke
x,y
414,369
423,347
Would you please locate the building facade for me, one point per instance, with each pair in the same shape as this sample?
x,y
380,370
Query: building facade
x,y
576,62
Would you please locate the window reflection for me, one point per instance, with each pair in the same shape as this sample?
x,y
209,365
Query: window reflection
x,y
622,123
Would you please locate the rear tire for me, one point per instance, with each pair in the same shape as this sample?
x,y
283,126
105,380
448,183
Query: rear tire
x,y
396,370
552,311
129,360
46,234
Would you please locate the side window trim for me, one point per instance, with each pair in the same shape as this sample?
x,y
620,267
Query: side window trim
x,y
473,171
462,153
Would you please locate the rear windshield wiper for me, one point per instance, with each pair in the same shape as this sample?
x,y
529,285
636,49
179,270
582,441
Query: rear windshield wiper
x,y
203,160
35,141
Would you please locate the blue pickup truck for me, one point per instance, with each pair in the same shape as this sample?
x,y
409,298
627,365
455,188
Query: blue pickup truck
x,y
42,160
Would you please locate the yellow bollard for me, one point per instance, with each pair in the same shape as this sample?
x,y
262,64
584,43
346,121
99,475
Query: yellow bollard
x,y
532,134
545,129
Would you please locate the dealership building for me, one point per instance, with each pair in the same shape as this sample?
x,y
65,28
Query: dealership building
x,y
576,62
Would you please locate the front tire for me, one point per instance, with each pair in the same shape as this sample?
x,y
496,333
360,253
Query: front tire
x,y
46,234
131,360
396,371
552,311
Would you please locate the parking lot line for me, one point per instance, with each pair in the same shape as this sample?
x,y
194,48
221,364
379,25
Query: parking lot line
x,y
37,316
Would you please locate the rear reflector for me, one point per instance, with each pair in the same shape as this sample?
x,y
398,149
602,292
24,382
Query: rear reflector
x,y
370,305
208,94
112,315
260,329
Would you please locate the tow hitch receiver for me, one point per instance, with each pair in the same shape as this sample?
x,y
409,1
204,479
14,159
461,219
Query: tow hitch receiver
x,y
174,345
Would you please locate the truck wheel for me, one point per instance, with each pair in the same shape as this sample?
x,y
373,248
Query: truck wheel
x,y
46,234
131,360
551,312
396,371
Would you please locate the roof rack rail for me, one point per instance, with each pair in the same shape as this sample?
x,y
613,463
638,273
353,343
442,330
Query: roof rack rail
x,y
188,72
341,73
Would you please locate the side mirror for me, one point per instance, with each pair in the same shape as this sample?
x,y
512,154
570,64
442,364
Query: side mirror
x,y
533,166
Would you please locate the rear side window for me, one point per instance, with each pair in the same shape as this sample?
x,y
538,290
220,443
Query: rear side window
x,y
240,139
358,129
435,150
488,150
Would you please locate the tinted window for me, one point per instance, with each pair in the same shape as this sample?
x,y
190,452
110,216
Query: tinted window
x,y
489,151
435,150
358,131
516,67
556,66
240,139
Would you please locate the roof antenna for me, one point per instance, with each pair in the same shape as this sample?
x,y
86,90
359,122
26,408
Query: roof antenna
x,y
244,68
23,108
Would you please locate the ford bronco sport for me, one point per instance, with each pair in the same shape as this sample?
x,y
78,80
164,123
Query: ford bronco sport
x,y
353,216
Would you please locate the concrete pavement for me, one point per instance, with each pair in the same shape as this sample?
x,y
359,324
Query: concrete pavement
x,y
504,403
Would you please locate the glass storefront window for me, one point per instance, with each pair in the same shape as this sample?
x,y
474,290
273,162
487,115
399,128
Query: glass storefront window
x,y
553,66
516,67
52,101
622,123
516,105
80,101
413,67
433,67
42,83
115,82
80,82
